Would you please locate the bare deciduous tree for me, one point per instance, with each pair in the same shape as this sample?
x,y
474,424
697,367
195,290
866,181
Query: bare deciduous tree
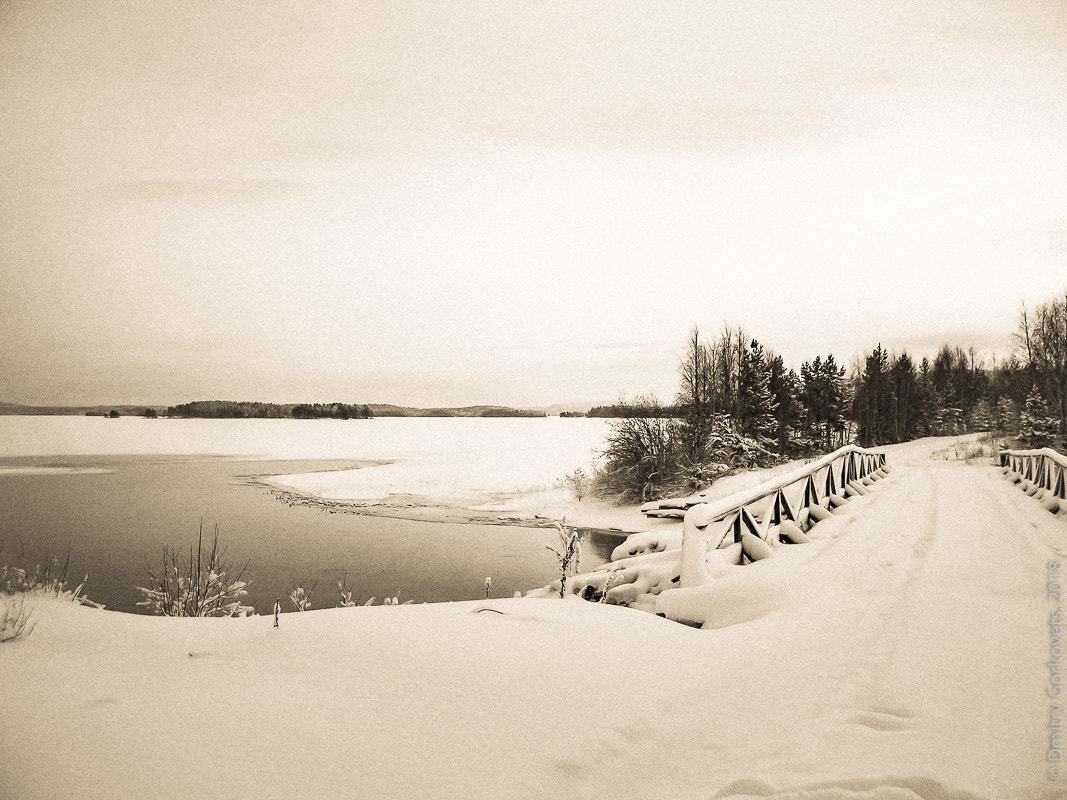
x,y
1042,345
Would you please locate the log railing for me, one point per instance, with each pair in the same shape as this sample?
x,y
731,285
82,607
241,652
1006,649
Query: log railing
x,y
841,474
1040,473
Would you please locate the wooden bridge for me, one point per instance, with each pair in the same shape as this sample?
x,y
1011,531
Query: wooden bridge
x,y
667,572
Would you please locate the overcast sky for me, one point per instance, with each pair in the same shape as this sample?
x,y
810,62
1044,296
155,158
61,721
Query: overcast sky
x,y
447,203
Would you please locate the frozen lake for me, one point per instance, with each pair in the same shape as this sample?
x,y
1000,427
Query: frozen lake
x,y
115,491
445,457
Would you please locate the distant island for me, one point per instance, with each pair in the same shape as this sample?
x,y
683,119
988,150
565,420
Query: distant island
x,y
466,411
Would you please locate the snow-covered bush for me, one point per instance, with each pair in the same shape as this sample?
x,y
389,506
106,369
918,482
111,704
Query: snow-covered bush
x,y
344,593
46,576
652,455
14,617
345,599
641,454
198,587
301,598
577,482
567,553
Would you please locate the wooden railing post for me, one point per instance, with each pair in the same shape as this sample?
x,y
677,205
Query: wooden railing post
x,y
694,569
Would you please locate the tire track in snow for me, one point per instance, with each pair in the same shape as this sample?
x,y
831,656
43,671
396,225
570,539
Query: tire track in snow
x,y
1040,531
958,651
886,636
743,685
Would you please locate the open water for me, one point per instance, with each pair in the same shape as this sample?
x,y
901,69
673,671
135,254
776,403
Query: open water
x,y
114,512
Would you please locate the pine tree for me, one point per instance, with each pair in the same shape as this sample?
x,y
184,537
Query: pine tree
x,y
951,421
982,417
874,400
1007,419
823,398
784,387
1036,425
904,400
756,404
927,401
838,396
1042,340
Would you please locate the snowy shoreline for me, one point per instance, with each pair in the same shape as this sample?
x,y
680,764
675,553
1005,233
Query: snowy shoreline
x,y
523,509
350,491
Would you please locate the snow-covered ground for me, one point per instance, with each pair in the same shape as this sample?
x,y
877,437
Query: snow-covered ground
x,y
906,652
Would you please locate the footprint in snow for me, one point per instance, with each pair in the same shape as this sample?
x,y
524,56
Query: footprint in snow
x,y
746,787
883,719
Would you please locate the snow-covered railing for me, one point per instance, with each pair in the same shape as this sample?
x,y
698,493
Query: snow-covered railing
x,y
857,459
1041,473
650,565
845,471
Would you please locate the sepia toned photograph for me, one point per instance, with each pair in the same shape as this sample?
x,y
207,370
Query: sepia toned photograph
x,y
533,399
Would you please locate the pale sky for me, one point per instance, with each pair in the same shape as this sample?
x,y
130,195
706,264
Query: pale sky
x,y
450,203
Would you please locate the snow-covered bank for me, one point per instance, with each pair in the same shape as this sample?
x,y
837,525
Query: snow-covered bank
x,y
427,701
442,498
905,654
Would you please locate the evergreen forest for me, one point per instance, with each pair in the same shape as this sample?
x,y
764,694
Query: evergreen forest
x,y
739,405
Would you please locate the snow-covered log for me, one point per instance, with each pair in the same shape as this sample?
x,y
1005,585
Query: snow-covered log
x,y
818,514
790,532
648,573
754,548
637,544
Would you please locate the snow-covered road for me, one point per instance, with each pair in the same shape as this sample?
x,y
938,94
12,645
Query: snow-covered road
x,y
904,653
912,651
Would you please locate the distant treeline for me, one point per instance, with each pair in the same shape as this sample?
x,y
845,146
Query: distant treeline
x,y
244,409
511,412
14,409
638,410
466,411
331,411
